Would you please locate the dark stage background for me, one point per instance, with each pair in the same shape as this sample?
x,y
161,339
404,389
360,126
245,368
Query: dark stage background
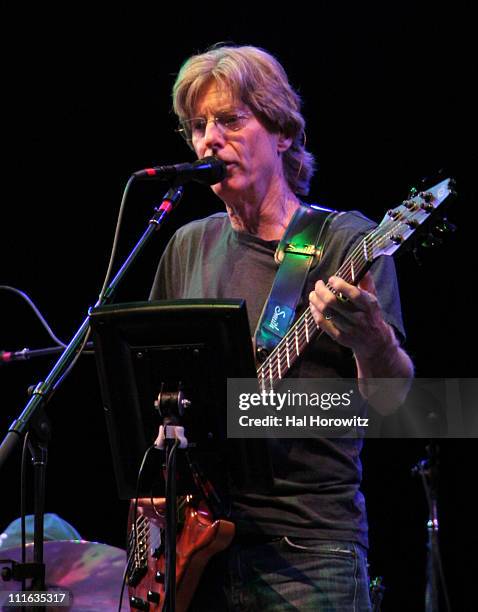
x,y
86,101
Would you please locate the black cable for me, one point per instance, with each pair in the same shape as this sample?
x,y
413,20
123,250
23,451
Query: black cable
x,y
44,323
171,525
123,585
103,289
133,522
37,312
114,248
80,350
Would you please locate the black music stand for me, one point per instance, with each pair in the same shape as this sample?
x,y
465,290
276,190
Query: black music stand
x,y
146,348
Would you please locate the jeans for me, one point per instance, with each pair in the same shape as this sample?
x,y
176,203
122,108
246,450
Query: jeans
x,y
286,575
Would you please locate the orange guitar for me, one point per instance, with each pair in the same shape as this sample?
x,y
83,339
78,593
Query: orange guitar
x,y
199,538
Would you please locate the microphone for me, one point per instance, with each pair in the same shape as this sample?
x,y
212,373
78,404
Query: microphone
x,y
208,170
7,356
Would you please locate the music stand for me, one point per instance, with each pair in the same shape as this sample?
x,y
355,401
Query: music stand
x,y
145,348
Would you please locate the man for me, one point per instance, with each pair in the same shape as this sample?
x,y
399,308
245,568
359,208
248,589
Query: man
x,y
303,545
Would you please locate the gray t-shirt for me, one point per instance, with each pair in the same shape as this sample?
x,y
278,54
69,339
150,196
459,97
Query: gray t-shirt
x,y
316,481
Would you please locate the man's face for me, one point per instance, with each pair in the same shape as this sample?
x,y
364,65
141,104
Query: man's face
x,y
251,153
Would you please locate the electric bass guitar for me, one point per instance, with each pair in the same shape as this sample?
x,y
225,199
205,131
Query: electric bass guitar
x,y
396,228
200,537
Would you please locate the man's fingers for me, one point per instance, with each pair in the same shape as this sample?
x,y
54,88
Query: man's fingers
x,y
368,284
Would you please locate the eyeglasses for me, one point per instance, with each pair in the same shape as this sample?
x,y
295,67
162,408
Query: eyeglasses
x,y
194,129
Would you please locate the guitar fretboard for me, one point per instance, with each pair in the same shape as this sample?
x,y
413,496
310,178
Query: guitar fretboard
x,y
394,230
304,330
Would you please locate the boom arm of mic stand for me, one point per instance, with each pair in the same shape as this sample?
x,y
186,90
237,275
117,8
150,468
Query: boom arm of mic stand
x,y
44,390
7,357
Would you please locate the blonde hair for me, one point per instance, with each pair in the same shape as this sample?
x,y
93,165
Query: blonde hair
x,y
258,80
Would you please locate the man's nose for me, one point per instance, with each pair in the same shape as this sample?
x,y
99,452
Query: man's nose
x,y
213,136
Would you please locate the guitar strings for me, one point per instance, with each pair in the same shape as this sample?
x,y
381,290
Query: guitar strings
x,y
302,337
298,329
303,334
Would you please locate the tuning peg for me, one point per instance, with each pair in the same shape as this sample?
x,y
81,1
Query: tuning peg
x,y
427,196
394,214
410,205
427,201
427,207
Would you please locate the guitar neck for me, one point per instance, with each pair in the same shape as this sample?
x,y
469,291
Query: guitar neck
x,y
398,225
304,331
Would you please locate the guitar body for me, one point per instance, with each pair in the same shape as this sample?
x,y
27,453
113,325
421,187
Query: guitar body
x,y
198,540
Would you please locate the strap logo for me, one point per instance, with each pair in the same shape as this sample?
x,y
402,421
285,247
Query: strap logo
x,y
274,322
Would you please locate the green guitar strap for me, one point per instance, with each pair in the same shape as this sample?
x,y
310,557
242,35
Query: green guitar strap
x,y
301,247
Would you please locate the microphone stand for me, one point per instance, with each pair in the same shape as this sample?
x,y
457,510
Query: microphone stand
x,y
427,469
34,420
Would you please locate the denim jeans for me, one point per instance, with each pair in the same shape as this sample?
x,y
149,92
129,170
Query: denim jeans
x,y
286,575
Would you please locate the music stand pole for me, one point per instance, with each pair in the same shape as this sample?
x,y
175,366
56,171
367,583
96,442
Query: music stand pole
x,y
171,523
171,436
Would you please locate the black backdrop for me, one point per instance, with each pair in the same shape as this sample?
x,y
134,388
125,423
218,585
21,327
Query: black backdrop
x,y
388,100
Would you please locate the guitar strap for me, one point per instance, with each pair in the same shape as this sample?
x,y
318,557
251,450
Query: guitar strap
x,y
301,247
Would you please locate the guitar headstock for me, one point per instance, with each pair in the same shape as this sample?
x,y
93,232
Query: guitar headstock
x,y
400,223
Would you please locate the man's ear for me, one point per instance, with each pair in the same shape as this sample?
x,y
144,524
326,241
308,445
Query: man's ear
x,y
283,143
